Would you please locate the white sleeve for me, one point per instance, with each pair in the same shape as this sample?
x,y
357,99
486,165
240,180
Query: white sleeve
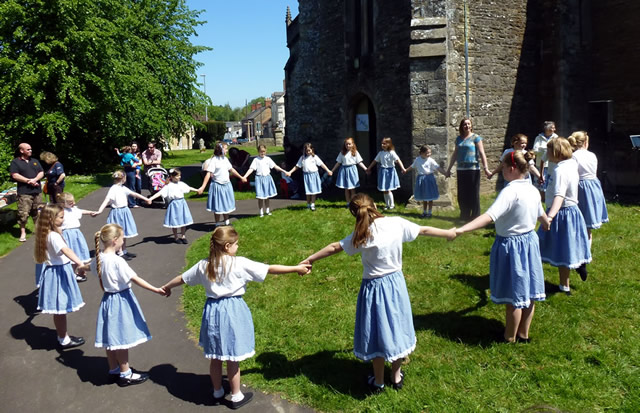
x,y
195,274
501,205
251,270
299,164
347,245
340,158
56,241
270,163
317,160
395,156
254,164
358,157
379,157
124,270
410,231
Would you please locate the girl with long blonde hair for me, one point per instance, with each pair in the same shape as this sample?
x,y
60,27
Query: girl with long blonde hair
x,y
226,333
384,325
59,293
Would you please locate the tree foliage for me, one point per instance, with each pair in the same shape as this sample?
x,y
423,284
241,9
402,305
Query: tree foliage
x,y
78,77
211,131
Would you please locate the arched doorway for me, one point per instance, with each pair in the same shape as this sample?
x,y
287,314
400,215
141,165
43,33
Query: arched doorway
x,y
363,125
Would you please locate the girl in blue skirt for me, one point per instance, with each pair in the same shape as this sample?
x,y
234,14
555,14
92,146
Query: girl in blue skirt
x,y
591,200
120,213
59,293
71,230
226,333
566,244
221,200
426,188
384,324
178,215
515,277
265,187
121,324
387,176
348,160
309,163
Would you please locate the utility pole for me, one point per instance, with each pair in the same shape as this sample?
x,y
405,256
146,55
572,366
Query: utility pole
x,y
206,105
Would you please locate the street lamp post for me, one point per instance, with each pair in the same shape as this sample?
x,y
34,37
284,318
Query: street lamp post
x,y
206,105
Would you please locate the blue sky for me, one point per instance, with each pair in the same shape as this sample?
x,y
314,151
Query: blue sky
x,y
249,47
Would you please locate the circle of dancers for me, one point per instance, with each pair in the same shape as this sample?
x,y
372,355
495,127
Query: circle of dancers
x,y
384,331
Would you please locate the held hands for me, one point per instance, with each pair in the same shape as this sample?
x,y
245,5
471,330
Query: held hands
x,y
166,291
94,213
303,268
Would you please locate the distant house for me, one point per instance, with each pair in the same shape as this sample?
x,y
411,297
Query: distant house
x,y
256,123
278,120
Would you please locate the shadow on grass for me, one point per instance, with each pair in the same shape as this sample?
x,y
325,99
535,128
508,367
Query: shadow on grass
x,y
457,325
190,387
320,368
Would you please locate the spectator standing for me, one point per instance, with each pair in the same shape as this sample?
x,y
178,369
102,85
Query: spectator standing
x,y
27,172
150,158
55,176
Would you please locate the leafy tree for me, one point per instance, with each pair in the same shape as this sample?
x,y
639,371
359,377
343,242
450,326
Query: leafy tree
x,y
78,77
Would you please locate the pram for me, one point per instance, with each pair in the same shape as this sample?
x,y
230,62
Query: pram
x,y
158,178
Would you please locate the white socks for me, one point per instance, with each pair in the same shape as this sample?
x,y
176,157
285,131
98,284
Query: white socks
x,y
237,397
64,341
563,288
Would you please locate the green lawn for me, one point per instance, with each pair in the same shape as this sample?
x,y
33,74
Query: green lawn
x,y
584,355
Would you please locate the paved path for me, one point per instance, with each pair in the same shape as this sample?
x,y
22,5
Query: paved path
x,y
36,377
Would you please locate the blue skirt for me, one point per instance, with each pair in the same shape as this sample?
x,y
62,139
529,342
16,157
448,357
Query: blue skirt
x,y
516,275
265,188
348,177
226,331
384,324
121,324
426,188
59,292
388,179
76,242
566,244
178,214
221,199
591,203
122,216
312,183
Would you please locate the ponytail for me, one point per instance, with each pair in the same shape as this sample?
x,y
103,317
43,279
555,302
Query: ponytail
x,y
98,262
363,208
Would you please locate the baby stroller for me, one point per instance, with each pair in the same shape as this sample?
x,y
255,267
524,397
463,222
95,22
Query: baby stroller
x,y
158,178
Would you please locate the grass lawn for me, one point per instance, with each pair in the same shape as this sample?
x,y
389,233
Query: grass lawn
x,y
584,355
